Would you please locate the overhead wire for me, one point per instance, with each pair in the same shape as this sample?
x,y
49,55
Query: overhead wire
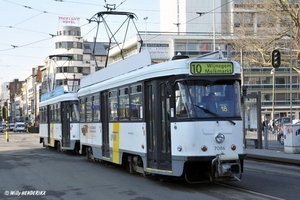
x,y
42,12
192,19
15,46
85,3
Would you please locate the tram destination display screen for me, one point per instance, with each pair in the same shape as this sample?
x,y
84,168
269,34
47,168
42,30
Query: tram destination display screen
x,y
199,68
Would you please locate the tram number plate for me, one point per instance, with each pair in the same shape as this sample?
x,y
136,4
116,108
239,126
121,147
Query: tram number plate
x,y
219,148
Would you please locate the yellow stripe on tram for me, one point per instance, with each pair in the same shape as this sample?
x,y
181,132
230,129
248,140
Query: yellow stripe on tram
x,y
116,143
52,135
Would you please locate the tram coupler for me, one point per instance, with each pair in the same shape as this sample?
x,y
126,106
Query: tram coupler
x,y
226,166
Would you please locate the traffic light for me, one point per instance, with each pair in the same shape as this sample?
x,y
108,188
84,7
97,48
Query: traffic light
x,y
276,58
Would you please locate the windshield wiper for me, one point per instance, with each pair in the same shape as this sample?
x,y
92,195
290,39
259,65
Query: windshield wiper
x,y
215,114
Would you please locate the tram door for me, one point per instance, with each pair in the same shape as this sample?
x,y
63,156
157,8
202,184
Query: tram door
x,y
65,124
158,126
105,120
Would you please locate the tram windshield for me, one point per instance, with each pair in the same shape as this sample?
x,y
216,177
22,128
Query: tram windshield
x,y
206,99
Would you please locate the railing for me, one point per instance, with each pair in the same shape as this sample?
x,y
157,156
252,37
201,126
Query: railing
x,y
270,142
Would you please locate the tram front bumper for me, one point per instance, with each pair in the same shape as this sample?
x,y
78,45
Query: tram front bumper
x,y
226,166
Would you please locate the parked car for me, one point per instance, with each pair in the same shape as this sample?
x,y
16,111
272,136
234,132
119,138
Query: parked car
x,y
296,122
19,127
280,121
11,126
1,128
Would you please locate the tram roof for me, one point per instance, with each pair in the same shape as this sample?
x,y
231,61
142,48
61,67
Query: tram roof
x,y
71,96
131,71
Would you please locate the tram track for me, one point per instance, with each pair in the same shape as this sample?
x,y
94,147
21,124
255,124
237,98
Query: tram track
x,y
256,194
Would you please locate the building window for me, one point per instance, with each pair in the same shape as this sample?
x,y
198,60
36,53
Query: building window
x,y
192,46
180,46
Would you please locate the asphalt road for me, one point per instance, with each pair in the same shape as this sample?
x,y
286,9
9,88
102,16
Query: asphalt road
x,y
29,171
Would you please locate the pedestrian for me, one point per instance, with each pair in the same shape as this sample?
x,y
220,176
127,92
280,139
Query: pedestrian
x,y
263,125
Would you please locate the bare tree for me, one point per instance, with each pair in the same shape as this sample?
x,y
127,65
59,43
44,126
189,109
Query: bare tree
x,y
264,25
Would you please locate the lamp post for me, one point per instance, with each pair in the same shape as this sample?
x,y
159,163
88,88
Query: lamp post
x,y
214,31
291,78
145,18
291,81
273,93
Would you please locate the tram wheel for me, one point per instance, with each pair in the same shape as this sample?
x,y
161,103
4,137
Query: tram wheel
x,y
58,146
88,152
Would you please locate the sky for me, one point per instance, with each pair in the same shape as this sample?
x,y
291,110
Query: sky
x,y
27,28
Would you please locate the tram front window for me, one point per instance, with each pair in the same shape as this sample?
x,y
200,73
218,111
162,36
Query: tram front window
x,y
203,99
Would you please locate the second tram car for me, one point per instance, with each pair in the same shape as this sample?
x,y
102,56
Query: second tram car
x,y
180,118
59,122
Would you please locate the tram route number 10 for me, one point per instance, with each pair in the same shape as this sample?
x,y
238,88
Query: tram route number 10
x,y
211,68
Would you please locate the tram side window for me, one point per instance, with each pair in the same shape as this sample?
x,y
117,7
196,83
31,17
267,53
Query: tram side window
x,y
55,113
46,115
136,102
96,108
182,105
74,112
42,115
52,113
113,103
58,114
124,103
88,107
82,110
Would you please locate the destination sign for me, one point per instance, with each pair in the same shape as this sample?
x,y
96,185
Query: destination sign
x,y
197,68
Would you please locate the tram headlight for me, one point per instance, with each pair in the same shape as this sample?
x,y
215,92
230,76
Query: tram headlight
x,y
220,137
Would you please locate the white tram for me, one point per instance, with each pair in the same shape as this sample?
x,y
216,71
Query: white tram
x,y
59,122
156,119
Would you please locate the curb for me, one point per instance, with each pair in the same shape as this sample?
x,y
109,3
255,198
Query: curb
x,y
274,159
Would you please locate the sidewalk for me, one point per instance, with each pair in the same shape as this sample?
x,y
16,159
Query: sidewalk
x,y
274,151
273,155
